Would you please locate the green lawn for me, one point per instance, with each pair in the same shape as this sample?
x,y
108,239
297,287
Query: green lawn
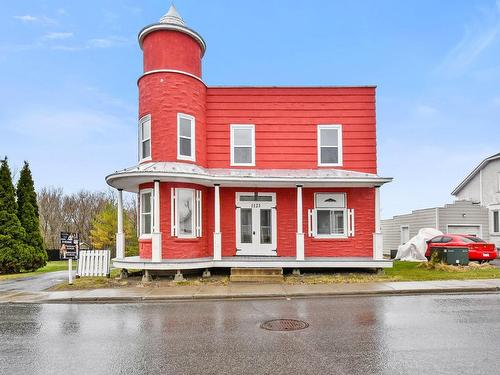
x,y
401,271
413,271
58,265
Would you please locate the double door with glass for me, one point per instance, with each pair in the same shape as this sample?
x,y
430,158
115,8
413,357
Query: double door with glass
x,y
256,224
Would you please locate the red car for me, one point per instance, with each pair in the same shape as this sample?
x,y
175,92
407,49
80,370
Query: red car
x,y
478,249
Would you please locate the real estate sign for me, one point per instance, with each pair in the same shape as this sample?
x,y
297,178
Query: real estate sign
x,y
69,245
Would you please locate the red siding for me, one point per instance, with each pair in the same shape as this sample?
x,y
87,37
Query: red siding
x,y
362,200
179,248
286,122
286,203
145,250
163,96
171,50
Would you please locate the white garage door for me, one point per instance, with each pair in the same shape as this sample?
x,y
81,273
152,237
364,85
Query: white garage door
x,y
474,230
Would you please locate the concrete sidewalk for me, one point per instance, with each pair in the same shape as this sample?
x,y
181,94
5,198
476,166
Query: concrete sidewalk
x,y
237,291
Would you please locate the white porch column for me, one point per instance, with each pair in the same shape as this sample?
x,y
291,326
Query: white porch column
x,y
300,232
156,235
377,236
120,235
217,234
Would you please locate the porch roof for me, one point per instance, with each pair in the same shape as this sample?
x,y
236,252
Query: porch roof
x,y
129,179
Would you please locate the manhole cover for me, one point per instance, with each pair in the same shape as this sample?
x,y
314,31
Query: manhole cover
x,y
284,325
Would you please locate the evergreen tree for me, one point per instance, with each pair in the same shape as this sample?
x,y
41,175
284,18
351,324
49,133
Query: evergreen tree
x,y
14,253
27,212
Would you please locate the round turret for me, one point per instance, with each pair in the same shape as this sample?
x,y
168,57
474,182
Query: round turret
x,y
170,44
171,91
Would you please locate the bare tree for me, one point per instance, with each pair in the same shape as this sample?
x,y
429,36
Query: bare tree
x,y
80,209
51,215
72,213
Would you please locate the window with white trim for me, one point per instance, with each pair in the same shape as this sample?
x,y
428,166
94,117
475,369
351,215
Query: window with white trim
x,y
330,217
185,137
146,211
496,222
145,138
329,145
186,213
243,145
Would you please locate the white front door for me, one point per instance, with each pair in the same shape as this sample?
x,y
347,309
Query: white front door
x,y
256,224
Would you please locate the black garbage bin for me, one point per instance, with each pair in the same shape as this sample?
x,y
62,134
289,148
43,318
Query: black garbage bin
x,y
451,255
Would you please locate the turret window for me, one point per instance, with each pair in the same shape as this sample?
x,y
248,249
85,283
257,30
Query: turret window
x,y
145,138
185,137
243,145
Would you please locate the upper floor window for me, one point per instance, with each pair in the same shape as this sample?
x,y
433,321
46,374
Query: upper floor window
x,y
146,210
185,137
243,145
329,145
145,138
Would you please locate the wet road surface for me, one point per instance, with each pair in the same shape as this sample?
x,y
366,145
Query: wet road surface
x,y
35,283
440,334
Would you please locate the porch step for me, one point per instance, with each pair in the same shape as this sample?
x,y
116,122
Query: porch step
x,y
256,275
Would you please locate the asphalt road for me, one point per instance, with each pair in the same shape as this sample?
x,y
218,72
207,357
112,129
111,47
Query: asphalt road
x,y
454,334
36,283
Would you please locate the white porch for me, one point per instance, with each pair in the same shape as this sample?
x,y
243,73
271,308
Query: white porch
x,y
158,172
244,261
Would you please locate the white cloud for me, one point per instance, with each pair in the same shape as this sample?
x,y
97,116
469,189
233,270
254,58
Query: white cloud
x,y
478,37
100,43
28,18
107,42
57,35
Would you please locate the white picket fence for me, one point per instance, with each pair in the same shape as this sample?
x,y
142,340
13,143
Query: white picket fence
x,y
93,263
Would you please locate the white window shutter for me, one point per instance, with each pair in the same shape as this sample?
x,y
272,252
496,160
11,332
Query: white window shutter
x,y
309,223
350,222
173,216
314,221
198,213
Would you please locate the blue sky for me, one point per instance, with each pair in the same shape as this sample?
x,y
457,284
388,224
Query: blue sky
x,y
69,69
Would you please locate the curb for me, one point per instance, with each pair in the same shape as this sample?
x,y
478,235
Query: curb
x,y
246,296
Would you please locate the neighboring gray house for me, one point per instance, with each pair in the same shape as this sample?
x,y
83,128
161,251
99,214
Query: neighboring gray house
x,y
463,217
482,186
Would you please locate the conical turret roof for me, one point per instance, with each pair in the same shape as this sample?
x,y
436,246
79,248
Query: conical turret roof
x,y
172,20
172,17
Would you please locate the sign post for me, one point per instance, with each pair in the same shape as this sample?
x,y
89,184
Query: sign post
x,y
70,243
70,278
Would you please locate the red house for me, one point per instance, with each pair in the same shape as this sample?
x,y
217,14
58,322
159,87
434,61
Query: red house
x,y
248,176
